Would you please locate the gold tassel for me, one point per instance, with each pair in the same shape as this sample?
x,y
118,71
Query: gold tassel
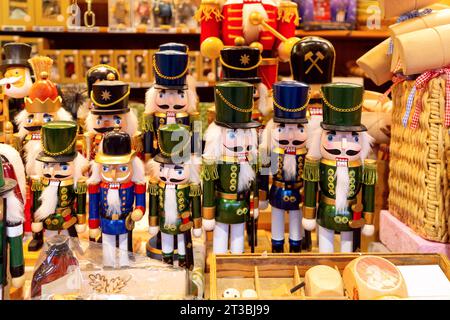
x,y
209,172
208,11
81,187
41,64
195,190
148,123
311,171
153,189
36,185
288,12
370,174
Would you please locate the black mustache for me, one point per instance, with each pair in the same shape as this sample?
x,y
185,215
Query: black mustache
x,y
337,152
171,180
286,142
57,176
104,130
166,106
33,128
236,149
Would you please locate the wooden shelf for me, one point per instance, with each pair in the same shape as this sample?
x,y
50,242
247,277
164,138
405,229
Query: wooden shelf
x,y
356,34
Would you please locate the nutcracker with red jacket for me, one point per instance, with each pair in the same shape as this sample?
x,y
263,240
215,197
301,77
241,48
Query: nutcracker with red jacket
x,y
116,189
13,190
337,171
42,105
284,149
170,100
106,113
238,22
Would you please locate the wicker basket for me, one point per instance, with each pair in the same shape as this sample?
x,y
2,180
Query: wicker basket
x,y
420,164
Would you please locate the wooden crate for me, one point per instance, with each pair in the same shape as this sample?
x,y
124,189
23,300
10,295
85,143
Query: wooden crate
x,y
273,275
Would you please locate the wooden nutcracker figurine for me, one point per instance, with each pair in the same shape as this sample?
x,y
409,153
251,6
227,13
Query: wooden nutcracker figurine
x,y
238,22
169,100
42,105
107,113
12,190
59,195
175,199
337,169
284,151
17,81
230,167
116,191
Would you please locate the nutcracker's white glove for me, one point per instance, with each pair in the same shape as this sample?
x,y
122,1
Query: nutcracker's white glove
x,y
309,224
197,232
153,231
37,227
81,228
264,204
255,213
18,282
209,224
94,233
368,230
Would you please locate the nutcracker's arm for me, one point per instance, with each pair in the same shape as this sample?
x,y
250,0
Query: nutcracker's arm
x,y
209,16
209,177
139,191
36,190
14,233
288,20
153,218
148,136
369,180
311,177
94,206
195,195
81,191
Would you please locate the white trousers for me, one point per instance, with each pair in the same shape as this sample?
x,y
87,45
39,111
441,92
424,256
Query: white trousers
x,y
220,242
296,231
109,250
326,240
1,292
167,244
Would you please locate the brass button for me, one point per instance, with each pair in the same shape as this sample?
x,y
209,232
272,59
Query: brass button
x,y
63,190
286,198
233,175
293,199
338,219
48,221
233,168
55,222
344,220
64,197
64,203
233,188
233,181
180,193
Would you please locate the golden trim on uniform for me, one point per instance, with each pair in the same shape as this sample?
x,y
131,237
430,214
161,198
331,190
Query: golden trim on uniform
x,y
81,218
208,213
332,202
369,217
284,185
46,106
351,164
63,183
309,212
153,221
197,223
104,159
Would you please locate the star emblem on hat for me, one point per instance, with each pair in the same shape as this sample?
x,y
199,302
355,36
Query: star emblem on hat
x,y
106,95
245,59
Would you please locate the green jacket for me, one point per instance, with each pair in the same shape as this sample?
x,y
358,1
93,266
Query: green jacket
x,y
11,246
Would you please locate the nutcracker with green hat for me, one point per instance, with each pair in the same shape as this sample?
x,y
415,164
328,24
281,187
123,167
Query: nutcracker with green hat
x,y
116,196
337,170
59,195
12,191
170,100
230,167
175,205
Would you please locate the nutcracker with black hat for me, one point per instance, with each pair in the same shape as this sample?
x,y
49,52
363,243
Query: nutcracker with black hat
x,y
283,149
109,110
230,168
59,195
169,100
16,70
337,170
13,191
175,194
240,63
116,196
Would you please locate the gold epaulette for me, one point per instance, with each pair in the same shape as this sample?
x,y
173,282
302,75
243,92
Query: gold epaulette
x,y
370,175
209,171
287,11
153,189
209,9
36,185
81,186
311,170
147,124
195,190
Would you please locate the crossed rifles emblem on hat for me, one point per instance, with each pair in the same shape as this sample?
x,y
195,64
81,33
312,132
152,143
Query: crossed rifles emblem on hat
x,y
309,56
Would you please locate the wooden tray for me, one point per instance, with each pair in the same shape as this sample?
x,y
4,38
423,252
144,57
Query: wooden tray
x,y
273,275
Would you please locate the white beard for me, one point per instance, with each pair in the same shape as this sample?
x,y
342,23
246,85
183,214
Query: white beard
x,y
15,208
246,176
251,32
113,199
32,149
170,206
342,188
49,200
290,167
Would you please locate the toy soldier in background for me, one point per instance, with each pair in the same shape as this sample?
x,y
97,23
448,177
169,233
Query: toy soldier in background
x,y
238,23
59,195
163,13
169,100
175,205
230,168
336,167
283,152
107,113
43,105
13,192
143,11
17,81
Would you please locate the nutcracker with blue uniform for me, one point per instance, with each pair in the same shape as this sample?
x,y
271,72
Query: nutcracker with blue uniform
x,y
230,168
337,170
12,192
169,100
59,195
283,150
175,205
116,192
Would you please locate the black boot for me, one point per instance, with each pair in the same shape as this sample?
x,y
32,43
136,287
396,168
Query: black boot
x,y
182,261
37,242
277,246
167,258
295,246
307,242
